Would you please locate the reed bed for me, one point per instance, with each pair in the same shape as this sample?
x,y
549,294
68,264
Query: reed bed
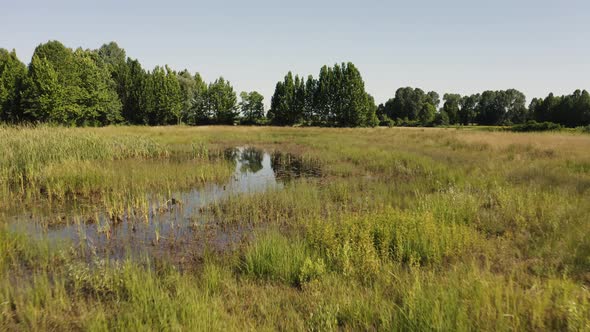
x,y
399,229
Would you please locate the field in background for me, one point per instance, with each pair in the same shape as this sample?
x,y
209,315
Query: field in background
x,y
397,229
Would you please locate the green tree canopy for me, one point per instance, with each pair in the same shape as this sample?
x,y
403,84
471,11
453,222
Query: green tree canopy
x,y
135,100
12,74
452,107
251,107
200,113
68,87
568,110
337,98
114,59
412,104
95,96
441,118
501,107
103,86
112,55
188,87
163,97
282,104
467,112
222,101
43,95
426,114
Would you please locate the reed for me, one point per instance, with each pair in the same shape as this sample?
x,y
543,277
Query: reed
x,y
401,229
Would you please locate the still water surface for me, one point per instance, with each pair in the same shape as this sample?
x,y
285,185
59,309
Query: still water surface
x,y
179,229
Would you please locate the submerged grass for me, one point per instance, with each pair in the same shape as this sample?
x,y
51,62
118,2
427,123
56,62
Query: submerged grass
x,y
406,229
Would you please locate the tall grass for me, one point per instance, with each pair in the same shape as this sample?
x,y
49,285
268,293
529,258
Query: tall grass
x,y
52,163
407,229
274,257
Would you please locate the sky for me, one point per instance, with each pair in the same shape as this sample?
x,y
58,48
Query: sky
x,y
456,46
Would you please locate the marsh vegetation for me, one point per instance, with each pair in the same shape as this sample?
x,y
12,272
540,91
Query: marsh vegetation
x,y
262,228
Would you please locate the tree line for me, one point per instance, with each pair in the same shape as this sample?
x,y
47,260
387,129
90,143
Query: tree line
x,y
101,87
412,106
337,98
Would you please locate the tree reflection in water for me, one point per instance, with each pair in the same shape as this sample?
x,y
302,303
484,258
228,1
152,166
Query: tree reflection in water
x,y
251,160
287,166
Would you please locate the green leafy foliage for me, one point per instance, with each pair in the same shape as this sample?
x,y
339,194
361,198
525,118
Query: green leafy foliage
x,y
569,110
251,107
405,230
69,87
102,87
535,126
164,97
338,99
222,102
412,105
12,74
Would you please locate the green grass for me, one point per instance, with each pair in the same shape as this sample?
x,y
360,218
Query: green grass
x,y
61,165
277,258
406,229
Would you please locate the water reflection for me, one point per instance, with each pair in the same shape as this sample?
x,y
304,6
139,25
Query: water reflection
x,y
251,159
287,166
180,226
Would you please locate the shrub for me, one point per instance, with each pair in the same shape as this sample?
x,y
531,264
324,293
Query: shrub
x,y
441,119
387,122
535,126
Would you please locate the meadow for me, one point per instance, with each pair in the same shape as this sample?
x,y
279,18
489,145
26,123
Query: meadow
x,y
397,229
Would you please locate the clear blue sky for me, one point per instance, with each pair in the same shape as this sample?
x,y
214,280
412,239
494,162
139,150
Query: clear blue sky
x,y
448,46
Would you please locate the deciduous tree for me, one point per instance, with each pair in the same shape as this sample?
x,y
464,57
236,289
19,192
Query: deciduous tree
x,y
12,74
251,107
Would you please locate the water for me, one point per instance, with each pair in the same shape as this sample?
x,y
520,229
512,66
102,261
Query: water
x,y
179,229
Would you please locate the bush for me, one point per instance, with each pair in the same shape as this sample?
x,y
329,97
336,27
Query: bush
x,y
535,126
441,119
387,122
408,123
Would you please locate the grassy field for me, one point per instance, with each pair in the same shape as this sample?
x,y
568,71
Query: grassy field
x,y
405,229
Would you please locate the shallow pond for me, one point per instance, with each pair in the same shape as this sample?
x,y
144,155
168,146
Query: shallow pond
x,y
179,228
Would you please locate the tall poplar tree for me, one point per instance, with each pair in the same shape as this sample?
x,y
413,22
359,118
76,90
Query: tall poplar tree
x,y
135,100
43,95
95,95
200,113
451,106
187,91
222,101
282,102
164,98
12,74
337,98
114,59
174,96
468,109
310,109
